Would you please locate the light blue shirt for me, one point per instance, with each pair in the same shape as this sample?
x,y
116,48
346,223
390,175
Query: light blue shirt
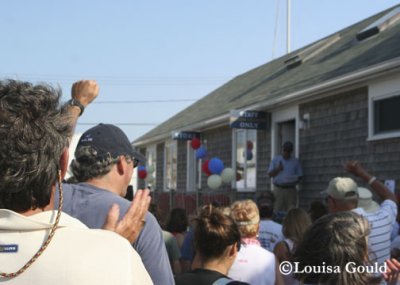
x,y
291,172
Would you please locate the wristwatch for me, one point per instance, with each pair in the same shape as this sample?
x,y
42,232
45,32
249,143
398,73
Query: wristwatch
x,y
74,102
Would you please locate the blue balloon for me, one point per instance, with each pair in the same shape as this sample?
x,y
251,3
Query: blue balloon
x,y
141,168
215,165
201,152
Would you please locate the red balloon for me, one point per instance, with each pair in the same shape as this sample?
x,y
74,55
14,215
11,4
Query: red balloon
x,y
142,174
196,143
250,145
205,169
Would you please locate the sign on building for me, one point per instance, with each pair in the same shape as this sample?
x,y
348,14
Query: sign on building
x,y
185,136
256,120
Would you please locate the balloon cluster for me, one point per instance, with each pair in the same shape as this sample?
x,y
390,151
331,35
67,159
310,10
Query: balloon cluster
x,y
146,173
213,168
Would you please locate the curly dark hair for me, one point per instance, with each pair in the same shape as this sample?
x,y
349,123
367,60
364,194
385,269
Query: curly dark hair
x,y
34,129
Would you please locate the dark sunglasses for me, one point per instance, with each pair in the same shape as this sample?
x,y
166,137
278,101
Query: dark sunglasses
x,y
134,161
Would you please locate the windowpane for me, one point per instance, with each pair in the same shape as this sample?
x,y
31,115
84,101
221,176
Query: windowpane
x,y
386,115
246,157
170,165
151,166
240,162
251,152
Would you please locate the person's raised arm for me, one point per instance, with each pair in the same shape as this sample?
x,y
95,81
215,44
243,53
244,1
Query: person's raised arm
x,y
380,189
83,92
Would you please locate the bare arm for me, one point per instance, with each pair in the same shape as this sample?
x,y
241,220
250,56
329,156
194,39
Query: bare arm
x,y
281,252
278,275
84,91
380,189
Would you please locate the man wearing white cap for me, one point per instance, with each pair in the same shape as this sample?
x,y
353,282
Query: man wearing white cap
x,y
343,194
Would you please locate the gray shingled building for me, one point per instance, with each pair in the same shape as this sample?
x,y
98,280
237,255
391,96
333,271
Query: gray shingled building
x,y
336,99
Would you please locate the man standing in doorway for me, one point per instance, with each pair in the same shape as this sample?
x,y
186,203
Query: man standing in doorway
x,y
286,172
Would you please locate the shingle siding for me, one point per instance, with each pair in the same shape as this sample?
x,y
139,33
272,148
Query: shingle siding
x,y
338,132
160,166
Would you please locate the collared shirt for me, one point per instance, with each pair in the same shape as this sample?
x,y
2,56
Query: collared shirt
x,y
75,255
91,204
291,172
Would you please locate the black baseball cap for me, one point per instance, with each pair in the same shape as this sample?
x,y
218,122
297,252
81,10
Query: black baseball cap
x,y
109,140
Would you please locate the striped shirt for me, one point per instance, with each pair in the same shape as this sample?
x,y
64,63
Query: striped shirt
x,y
381,223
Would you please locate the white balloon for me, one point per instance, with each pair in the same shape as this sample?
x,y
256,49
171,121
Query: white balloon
x,y
228,175
150,169
149,179
214,181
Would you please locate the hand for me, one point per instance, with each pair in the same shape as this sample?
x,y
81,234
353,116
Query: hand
x,y
85,91
355,168
134,220
392,274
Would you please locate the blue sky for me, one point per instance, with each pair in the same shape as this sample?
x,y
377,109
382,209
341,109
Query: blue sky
x,y
173,52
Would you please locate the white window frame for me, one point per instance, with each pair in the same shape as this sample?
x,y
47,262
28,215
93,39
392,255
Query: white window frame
x,y
193,169
234,159
151,152
379,90
172,145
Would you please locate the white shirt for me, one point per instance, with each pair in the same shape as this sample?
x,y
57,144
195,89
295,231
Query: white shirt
x,y
269,234
75,255
254,265
381,223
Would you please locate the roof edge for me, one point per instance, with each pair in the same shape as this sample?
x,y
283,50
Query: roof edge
x,y
339,82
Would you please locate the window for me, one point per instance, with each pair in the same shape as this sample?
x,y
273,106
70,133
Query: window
x,y
151,164
245,156
170,166
386,115
193,170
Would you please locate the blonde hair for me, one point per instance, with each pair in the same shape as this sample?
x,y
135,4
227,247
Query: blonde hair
x,y
246,215
295,223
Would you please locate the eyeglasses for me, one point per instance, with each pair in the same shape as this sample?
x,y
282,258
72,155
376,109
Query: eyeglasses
x,y
133,160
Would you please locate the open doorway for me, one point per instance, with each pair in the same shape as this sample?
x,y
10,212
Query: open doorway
x,y
286,131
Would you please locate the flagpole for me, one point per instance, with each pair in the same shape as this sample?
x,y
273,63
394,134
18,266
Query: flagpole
x,y
288,28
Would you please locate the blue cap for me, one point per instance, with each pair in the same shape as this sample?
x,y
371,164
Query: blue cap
x,y
109,141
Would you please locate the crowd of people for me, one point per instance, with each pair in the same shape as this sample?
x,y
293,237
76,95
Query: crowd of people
x,y
85,232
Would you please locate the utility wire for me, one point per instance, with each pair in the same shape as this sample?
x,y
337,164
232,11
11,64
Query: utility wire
x,y
144,101
121,124
124,81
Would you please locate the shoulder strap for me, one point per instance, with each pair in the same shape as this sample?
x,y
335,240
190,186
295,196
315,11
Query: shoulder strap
x,y
222,281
